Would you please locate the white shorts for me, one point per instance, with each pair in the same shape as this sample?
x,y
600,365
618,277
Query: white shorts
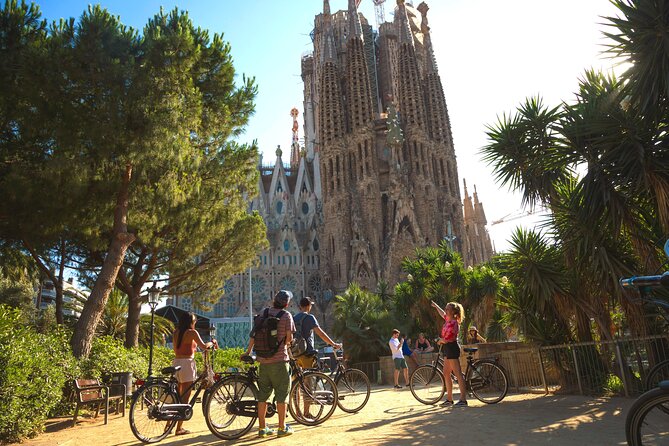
x,y
188,371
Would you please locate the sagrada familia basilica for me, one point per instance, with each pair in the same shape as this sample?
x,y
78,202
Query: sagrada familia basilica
x,y
376,176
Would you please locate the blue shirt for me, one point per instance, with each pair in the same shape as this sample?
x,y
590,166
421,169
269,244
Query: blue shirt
x,y
309,322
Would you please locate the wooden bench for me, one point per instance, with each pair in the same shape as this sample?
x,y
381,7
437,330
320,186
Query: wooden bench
x,y
90,392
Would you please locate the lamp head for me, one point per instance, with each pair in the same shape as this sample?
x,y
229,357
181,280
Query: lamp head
x,y
154,296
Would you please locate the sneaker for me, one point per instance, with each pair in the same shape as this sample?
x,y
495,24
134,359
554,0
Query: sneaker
x,y
447,403
265,432
285,432
398,387
461,403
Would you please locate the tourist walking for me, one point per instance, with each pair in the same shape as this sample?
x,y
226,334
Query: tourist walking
x,y
305,326
453,315
185,340
395,345
271,334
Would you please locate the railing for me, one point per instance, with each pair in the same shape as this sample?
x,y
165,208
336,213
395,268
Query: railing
x,y
371,369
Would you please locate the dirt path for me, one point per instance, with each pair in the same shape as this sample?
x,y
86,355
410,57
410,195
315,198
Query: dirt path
x,y
396,418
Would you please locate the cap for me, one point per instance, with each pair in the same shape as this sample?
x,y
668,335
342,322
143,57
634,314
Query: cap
x,y
306,301
473,327
283,297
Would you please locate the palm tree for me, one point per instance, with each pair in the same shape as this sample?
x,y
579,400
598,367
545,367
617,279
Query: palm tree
x,y
363,324
115,316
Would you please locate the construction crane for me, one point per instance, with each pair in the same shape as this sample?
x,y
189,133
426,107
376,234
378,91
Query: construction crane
x,y
380,12
515,215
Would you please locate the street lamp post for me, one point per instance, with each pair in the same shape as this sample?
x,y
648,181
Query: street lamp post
x,y
212,332
154,298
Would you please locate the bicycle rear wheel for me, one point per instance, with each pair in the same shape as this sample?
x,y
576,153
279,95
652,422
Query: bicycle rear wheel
x,y
487,380
427,384
227,398
313,399
647,422
353,388
658,373
145,405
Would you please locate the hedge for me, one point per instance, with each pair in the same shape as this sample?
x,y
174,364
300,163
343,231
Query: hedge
x,y
36,369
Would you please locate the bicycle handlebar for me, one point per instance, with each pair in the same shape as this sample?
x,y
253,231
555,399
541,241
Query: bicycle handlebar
x,y
645,281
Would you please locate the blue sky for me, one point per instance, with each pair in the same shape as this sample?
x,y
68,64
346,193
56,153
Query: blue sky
x,y
491,55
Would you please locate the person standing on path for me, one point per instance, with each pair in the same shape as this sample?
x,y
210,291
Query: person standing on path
x,y
274,373
185,340
453,316
395,345
308,325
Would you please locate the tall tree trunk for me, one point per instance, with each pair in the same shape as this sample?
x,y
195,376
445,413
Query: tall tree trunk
x,y
132,325
59,286
94,307
583,329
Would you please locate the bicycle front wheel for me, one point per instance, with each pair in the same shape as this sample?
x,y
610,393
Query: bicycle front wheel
x,y
427,384
313,399
229,410
488,381
353,388
646,422
144,407
658,373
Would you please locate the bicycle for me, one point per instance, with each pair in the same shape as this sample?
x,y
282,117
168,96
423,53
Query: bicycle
x,y
157,401
486,379
646,421
232,407
353,385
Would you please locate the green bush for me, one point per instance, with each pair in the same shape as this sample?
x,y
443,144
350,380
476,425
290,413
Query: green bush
x,y
32,376
613,385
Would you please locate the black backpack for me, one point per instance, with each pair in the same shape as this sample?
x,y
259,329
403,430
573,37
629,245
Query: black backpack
x,y
299,345
265,333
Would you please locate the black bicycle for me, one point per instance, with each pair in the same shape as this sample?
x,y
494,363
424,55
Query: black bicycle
x,y
646,422
353,385
486,379
232,407
156,405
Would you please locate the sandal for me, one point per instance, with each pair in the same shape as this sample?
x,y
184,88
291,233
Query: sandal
x,y
182,432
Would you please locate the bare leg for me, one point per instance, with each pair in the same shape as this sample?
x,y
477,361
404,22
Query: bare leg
x,y
262,411
406,376
396,375
447,377
184,394
455,366
281,410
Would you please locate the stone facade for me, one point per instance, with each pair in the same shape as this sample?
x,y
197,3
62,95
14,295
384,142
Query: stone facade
x,y
377,176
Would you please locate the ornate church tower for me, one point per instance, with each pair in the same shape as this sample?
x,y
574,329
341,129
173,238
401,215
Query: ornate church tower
x,y
477,240
387,178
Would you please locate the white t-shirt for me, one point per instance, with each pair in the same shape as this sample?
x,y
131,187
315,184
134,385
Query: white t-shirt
x,y
395,348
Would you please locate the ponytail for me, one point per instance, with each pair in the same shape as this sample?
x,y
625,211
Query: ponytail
x,y
458,311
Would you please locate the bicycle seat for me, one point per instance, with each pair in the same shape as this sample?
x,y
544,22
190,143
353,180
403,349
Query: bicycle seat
x,y
170,370
470,349
664,385
248,359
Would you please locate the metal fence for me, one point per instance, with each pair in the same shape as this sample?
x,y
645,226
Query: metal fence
x,y
588,368
371,369
593,368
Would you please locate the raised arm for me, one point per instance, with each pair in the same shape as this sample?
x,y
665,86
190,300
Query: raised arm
x,y
200,343
441,312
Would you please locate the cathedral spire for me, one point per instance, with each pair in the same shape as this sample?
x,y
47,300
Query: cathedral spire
x,y
405,29
430,61
355,28
329,52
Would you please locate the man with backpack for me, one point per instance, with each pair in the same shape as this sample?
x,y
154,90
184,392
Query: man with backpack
x,y
305,326
272,332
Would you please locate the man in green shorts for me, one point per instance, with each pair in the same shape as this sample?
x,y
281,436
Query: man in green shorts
x,y
274,373
395,345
